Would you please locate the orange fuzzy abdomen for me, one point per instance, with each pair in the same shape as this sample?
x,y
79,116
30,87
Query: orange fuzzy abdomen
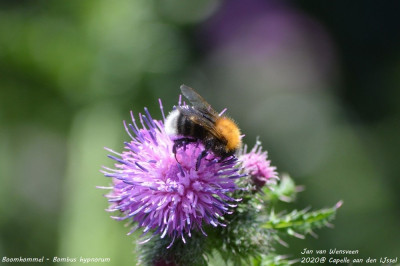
x,y
227,128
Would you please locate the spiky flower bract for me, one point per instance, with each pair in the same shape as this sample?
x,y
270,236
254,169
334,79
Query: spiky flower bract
x,y
164,194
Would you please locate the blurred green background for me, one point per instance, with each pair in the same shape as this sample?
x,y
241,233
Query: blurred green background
x,y
317,81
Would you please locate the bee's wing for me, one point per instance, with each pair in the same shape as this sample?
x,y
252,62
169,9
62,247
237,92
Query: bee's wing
x,y
197,101
201,119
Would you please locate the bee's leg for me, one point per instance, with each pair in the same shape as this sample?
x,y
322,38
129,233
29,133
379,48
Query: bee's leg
x,y
178,143
201,156
226,158
174,150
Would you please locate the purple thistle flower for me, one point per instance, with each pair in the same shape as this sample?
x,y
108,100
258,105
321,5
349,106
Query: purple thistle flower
x,y
256,165
161,195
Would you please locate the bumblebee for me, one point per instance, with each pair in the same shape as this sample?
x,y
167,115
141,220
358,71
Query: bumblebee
x,y
200,122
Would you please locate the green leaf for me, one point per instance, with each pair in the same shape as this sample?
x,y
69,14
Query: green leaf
x,y
285,190
301,222
273,260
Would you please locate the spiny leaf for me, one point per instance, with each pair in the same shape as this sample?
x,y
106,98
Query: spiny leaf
x,y
298,222
285,190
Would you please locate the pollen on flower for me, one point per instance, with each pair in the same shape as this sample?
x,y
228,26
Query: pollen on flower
x,y
164,195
